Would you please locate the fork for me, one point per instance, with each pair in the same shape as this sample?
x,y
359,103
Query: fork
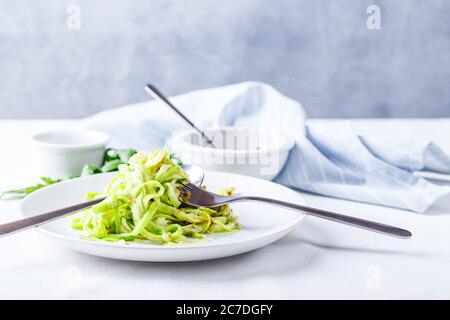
x,y
195,173
197,197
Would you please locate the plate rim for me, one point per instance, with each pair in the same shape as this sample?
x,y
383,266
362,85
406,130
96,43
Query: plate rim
x,y
286,227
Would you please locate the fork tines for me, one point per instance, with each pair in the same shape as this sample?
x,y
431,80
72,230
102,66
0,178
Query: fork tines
x,y
186,186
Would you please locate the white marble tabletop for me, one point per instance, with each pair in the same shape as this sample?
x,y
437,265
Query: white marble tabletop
x,y
320,259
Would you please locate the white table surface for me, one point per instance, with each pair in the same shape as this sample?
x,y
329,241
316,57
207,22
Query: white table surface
x,y
320,259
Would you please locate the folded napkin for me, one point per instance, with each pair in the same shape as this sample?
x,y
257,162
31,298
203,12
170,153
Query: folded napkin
x,y
327,158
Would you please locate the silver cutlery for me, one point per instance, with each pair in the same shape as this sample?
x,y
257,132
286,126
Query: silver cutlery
x,y
194,196
195,174
155,93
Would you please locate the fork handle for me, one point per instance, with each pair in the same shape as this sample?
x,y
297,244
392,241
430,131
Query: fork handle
x,y
26,223
336,217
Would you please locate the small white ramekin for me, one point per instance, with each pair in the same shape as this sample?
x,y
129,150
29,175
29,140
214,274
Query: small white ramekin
x,y
243,151
63,153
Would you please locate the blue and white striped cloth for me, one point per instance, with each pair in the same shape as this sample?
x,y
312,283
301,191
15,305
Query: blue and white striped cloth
x,y
332,160
328,158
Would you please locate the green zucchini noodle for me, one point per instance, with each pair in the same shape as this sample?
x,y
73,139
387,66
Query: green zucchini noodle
x,y
143,205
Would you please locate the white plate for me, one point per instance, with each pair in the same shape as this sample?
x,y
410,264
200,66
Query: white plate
x,y
261,224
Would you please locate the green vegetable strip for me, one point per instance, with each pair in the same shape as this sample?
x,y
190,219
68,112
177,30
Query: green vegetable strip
x,y
112,160
143,205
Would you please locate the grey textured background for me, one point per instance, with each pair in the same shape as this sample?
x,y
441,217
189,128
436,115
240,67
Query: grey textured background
x,y
317,51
